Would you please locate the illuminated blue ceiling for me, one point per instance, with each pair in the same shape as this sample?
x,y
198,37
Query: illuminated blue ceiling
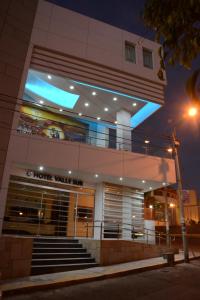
x,y
50,92
141,115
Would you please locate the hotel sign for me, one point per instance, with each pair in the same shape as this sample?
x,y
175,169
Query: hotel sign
x,y
55,178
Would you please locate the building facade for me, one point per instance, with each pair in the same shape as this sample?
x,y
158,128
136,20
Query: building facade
x,y
155,206
71,165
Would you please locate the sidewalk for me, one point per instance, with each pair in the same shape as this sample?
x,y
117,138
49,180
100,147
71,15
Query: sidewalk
x,y
38,282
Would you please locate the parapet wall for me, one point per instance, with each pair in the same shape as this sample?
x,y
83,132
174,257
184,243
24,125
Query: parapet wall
x,y
15,257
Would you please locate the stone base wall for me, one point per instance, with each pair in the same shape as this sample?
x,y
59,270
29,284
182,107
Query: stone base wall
x,y
15,257
118,251
93,247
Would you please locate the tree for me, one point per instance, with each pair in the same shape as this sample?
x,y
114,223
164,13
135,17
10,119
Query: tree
x,y
177,27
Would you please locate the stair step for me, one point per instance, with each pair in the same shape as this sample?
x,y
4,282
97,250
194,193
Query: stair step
x,y
58,250
61,261
51,255
60,255
64,265
60,268
55,240
54,245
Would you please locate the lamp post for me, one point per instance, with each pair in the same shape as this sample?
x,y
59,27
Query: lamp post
x,y
176,145
166,218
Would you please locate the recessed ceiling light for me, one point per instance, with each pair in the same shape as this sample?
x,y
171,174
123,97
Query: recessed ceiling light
x,y
105,109
121,178
49,77
96,175
150,188
115,99
164,183
94,93
134,104
133,217
69,172
147,141
71,87
41,102
98,118
115,122
143,181
86,104
80,114
60,109
41,168
150,206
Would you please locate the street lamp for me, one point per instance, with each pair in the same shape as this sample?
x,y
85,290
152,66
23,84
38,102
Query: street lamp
x,y
176,145
192,112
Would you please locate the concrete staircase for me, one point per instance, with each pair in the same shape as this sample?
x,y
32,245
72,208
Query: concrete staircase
x,y
52,255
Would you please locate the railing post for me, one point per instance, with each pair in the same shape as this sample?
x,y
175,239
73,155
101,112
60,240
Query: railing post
x,y
87,229
147,236
101,230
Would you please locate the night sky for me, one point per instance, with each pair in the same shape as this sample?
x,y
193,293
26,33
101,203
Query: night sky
x,y
126,14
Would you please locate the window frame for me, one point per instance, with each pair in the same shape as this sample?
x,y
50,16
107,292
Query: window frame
x,y
129,44
152,61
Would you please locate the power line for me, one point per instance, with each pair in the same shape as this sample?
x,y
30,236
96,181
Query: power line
x,y
125,127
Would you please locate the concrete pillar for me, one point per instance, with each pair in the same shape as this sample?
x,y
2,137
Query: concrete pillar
x,y
16,25
127,218
123,119
98,210
149,230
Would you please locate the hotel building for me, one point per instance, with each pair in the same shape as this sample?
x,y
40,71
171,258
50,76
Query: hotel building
x,y
73,90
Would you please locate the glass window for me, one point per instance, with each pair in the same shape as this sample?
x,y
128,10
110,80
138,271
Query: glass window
x,y
147,58
130,52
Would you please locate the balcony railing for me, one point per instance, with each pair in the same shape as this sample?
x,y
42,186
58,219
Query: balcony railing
x,y
94,137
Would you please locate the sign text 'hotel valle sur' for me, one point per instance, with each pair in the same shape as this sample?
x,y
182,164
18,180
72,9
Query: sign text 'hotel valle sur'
x,y
55,178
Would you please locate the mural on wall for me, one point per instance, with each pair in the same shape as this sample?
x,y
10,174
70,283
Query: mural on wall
x,y
52,125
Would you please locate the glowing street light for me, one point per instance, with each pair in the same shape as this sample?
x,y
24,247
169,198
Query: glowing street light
x,y
192,111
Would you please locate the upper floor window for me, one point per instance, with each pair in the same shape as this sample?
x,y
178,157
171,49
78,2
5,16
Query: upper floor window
x,y
147,58
130,52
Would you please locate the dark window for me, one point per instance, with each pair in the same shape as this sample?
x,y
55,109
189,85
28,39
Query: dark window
x,y
130,52
84,214
158,193
147,58
112,138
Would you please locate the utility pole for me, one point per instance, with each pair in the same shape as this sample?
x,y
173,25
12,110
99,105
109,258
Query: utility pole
x,y
166,218
176,145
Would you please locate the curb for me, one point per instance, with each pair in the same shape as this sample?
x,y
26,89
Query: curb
x,y
53,285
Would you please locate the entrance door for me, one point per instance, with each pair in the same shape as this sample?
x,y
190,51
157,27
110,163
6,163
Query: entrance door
x,y
59,214
35,209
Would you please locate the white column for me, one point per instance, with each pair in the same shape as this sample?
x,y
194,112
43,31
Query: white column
x,y
149,230
127,218
123,119
98,210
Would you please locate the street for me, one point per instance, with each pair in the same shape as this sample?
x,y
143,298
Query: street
x,y
179,282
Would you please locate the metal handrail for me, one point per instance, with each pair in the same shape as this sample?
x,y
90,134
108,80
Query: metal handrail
x,y
121,143
160,235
